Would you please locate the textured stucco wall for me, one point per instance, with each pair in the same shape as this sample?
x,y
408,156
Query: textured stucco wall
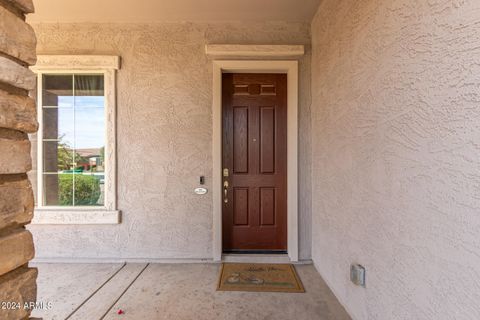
x,y
164,135
396,155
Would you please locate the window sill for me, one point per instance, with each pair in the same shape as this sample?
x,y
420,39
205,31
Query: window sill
x,y
76,217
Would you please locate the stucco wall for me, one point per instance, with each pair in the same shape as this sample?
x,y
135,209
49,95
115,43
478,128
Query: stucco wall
x,y
396,155
164,135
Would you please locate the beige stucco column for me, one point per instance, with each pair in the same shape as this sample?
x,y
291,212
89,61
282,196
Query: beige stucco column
x,y
17,118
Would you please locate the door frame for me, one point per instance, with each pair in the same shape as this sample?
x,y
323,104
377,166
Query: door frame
x,y
290,68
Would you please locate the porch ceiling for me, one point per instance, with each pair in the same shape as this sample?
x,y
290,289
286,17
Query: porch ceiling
x,y
172,10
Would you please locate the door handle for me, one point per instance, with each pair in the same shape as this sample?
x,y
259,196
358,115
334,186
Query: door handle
x,y
225,191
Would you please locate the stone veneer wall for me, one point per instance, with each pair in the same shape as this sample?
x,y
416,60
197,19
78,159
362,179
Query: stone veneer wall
x,y
17,119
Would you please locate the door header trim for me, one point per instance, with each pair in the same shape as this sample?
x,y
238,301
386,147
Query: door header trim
x,y
252,51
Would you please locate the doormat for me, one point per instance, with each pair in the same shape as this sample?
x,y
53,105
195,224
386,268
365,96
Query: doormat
x,y
259,277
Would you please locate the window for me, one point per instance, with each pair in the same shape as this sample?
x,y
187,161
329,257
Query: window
x,y
73,138
76,139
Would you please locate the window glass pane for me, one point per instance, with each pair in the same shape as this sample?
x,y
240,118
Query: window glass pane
x,y
88,190
58,90
89,140
58,125
58,189
89,85
57,157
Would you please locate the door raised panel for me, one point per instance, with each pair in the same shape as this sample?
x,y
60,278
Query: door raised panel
x,y
267,206
267,139
240,206
240,139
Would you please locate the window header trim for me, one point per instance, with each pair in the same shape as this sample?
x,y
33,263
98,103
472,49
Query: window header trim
x,y
76,62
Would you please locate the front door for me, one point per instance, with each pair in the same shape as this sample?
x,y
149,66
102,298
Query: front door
x,y
254,162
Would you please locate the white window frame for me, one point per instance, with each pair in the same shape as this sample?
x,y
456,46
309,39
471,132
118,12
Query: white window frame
x,y
75,64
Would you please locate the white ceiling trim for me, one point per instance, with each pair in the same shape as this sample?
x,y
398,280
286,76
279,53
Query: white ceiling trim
x,y
147,11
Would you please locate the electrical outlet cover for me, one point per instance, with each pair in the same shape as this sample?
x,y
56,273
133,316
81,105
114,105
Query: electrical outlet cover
x,y
357,274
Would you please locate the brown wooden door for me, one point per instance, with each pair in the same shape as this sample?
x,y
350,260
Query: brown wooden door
x,y
255,155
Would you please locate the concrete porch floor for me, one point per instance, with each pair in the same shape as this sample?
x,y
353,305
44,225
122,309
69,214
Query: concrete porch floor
x,y
172,291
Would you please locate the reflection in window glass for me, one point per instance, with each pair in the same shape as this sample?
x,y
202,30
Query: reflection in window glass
x,y
73,140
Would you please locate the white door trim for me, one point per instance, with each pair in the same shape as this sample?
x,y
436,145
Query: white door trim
x,y
248,66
